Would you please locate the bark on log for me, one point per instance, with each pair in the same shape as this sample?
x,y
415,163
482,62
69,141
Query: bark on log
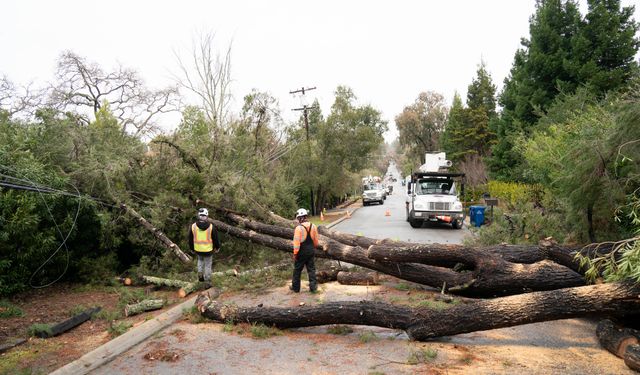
x,y
68,324
142,306
616,339
494,277
158,234
12,344
325,276
183,285
358,278
632,357
424,324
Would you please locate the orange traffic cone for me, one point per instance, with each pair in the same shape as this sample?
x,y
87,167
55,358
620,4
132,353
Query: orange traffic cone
x,y
321,216
387,213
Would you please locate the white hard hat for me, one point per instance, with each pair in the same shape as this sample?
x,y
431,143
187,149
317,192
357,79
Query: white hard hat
x,y
301,212
203,212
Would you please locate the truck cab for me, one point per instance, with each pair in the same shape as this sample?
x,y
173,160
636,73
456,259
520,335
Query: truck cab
x,y
434,197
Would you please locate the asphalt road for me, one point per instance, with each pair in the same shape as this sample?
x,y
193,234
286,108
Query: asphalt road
x,y
388,220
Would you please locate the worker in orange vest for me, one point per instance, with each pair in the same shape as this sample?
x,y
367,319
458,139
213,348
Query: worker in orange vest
x,y
305,241
203,241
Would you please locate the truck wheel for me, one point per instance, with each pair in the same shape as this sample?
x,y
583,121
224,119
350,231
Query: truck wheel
x,y
365,203
456,224
415,223
382,201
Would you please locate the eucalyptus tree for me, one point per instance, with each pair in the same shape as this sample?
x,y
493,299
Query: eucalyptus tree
x,y
421,124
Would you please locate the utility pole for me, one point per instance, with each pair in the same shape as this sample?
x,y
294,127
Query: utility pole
x,y
304,107
305,110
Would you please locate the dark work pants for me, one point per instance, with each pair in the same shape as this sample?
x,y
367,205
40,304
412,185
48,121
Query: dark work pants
x,y
305,258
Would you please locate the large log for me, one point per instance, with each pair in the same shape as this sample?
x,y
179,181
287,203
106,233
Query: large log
x,y
424,324
142,306
68,324
358,278
158,234
491,275
616,339
185,287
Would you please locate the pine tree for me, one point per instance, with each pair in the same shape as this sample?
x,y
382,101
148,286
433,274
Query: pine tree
x,y
606,45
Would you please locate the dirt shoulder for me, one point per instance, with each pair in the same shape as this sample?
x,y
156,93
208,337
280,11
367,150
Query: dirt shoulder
x,y
58,303
566,346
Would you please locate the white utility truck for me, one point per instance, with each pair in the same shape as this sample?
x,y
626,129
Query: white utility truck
x,y
433,194
372,190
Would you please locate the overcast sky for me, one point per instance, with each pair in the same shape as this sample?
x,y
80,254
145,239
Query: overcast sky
x,y
386,51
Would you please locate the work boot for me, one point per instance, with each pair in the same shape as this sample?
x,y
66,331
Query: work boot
x,y
293,290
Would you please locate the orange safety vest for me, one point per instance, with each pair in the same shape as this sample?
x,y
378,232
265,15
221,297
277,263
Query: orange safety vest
x,y
202,242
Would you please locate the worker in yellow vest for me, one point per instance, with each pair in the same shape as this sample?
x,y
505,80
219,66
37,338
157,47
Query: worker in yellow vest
x,y
203,241
305,241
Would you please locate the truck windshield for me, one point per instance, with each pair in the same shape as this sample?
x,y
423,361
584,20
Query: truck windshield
x,y
434,187
372,187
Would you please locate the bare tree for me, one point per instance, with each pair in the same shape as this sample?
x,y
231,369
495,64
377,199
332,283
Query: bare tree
x,y
208,76
22,100
82,85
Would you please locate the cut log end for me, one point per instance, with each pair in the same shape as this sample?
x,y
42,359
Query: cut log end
x,y
632,357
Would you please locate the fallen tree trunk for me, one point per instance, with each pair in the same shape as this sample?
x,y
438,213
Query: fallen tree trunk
x,y
142,306
489,275
424,324
68,324
185,287
357,278
622,342
158,234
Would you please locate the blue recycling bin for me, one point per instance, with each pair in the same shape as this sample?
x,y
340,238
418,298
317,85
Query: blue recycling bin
x,y
476,215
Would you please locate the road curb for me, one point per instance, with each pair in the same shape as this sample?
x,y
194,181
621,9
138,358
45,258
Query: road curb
x,y
332,224
110,350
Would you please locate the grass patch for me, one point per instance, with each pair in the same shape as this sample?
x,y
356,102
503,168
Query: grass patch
x,y
434,305
39,328
402,287
423,355
193,315
118,328
107,315
228,326
340,330
9,310
254,282
16,360
129,295
261,331
367,336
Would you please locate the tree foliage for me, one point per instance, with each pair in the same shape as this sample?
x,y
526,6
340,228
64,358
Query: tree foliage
x,y
421,124
564,51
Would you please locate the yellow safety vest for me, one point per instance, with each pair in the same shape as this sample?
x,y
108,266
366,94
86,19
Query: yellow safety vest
x,y
202,242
